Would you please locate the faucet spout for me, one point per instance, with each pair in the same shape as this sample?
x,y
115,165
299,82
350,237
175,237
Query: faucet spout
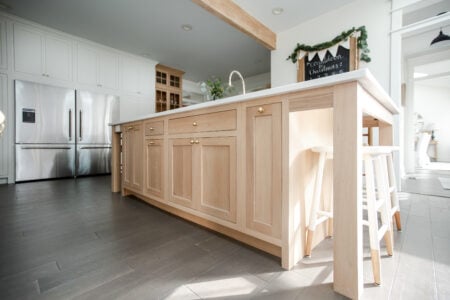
x,y
242,79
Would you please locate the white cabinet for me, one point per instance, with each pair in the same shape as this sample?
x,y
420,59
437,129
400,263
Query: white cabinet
x,y
3,49
97,67
4,138
42,54
137,76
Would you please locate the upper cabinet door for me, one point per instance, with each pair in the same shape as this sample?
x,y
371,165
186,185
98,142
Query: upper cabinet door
x,y
130,75
147,79
42,54
58,58
87,65
28,51
3,49
108,70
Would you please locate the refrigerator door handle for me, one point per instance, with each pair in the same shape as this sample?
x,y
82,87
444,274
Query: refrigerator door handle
x,y
81,125
70,124
95,147
50,148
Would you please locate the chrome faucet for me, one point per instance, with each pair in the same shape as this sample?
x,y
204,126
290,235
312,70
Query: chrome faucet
x,y
242,79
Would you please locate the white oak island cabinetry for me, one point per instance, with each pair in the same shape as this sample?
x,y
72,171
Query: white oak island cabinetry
x,y
242,166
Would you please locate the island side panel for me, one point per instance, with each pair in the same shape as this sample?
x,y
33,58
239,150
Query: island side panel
x,y
115,161
347,171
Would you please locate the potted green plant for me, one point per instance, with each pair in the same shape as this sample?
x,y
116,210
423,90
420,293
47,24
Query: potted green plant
x,y
216,88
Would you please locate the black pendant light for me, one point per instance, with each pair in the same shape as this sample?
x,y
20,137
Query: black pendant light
x,y
440,38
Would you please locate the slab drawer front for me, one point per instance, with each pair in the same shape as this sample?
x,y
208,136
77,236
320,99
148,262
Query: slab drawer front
x,y
217,121
154,128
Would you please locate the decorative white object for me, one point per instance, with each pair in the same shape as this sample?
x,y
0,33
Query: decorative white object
x,y
2,122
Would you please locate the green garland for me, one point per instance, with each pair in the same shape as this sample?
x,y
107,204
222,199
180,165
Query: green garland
x,y
362,44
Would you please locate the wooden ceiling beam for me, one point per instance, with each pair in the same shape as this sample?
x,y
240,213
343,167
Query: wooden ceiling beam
x,y
234,15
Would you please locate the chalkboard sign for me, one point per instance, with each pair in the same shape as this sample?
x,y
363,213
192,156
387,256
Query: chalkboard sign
x,y
345,60
329,65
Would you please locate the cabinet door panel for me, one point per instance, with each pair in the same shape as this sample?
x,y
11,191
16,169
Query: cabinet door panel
x,y
264,169
28,53
218,177
108,70
181,156
130,75
3,48
133,144
154,166
146,79
58,58
86,65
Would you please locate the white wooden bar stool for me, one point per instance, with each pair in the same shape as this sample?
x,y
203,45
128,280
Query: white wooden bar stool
x,y
316,215
377,199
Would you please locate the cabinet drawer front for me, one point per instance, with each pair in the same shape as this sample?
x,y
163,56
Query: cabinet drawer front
x,y
217,121
154,128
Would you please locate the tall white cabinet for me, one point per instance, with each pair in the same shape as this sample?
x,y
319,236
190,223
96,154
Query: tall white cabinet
x,y
97,67
42,54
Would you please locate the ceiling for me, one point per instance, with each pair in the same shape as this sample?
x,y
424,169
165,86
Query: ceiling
x,y
153,28
294,11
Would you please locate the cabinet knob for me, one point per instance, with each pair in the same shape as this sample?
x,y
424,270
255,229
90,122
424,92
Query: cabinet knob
x,y
151,128
130,128
194,124
197,142
191,142
151,143
260,109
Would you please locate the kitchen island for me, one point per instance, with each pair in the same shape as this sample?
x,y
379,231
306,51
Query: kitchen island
x,y
242,166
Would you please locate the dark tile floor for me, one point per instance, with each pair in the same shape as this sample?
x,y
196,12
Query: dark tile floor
x,y
74,239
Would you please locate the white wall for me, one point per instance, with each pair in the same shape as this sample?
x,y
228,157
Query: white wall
x,y
433,103
374,14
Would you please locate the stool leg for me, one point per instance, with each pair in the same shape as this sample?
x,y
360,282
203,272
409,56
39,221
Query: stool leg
x,y
382,181
372,217
394,196
398,221
315,204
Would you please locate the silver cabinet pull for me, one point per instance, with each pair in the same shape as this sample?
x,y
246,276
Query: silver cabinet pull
x,y
81,125
44,148
70,124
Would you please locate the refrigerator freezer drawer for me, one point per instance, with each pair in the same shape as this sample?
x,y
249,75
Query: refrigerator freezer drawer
x,y
93,159
43,161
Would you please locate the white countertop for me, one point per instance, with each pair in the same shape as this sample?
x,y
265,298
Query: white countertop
x,y
363,76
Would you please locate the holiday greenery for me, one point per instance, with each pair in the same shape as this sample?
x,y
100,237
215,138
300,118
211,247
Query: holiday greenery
x,y
361,42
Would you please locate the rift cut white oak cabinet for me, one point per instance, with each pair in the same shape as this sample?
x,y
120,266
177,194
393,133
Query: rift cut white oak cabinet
x,y
243,166
97,68
42,54
133,147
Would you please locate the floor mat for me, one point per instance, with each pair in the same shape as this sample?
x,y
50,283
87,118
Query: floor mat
x,y
445,182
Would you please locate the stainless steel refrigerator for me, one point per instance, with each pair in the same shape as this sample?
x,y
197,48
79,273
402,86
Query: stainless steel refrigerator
x,y
61,132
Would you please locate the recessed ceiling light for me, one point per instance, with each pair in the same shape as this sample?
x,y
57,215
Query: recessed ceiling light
x,y
186,27
277,11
